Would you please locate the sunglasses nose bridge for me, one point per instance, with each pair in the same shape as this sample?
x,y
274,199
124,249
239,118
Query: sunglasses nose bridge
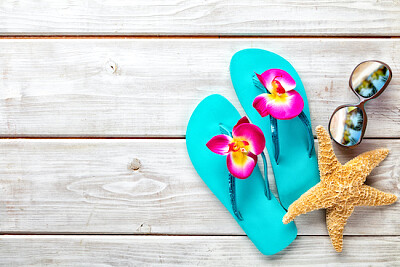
x,y
362,102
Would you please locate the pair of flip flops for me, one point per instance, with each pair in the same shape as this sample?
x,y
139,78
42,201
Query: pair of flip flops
x,y
216,127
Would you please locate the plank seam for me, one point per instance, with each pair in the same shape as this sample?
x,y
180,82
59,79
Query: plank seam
x,y
144,234
136,138
122,36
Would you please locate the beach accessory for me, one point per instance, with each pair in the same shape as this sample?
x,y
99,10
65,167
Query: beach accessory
x,y
241,146
269,89
341,188
222,145
281,101
348,122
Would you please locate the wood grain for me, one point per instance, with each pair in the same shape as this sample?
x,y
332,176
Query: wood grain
x,y
191,251
115,202
195,17
145,187
149,87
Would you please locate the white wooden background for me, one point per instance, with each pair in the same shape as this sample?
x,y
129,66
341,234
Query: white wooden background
x,y
94,100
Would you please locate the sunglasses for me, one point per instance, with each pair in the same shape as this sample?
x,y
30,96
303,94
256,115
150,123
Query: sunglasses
x,y
348,122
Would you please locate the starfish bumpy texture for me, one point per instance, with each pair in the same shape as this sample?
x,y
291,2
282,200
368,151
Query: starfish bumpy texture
x,y
341,188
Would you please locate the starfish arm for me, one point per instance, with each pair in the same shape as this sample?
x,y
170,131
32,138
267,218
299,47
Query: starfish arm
x,y
327,161
336,218
363,164
315,198
370,196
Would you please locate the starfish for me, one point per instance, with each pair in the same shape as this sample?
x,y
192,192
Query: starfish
x,y
341,188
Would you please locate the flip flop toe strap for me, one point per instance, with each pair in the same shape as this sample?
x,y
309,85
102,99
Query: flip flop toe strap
x,y
232,181
307,124
259,85
275,138
266,182
224,130
274,126
232,195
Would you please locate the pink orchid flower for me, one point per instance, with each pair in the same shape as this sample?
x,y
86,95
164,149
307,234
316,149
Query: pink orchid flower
x,y
283,102
242,148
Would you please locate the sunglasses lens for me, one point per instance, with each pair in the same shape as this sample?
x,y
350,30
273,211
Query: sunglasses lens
x,y
346,125
369,77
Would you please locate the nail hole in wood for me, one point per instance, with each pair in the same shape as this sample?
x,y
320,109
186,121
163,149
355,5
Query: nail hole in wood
x,y
135,165
111,66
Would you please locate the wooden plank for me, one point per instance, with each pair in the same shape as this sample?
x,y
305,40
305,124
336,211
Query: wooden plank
x,y
195,17
145,187
143,87
191,250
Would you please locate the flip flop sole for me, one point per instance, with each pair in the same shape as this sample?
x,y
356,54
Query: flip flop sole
x,y
296,172
262,218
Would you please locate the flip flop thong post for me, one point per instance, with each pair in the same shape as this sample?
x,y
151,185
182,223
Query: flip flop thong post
x,y
258,213
283,115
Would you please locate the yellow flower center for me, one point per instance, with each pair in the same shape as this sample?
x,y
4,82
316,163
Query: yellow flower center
x,y
278,98
238,145
277,86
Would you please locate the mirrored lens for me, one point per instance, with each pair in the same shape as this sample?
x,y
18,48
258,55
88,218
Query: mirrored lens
x,y
369,77
346,125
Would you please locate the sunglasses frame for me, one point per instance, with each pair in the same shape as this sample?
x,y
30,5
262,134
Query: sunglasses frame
x,y
361,103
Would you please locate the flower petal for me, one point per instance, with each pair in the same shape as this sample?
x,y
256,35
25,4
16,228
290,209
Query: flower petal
x,y
252,134
260,104
279,75
219,144
242,120
283,107
240,165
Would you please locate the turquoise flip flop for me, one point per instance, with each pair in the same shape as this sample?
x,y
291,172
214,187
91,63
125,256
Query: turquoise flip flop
x,y
248,200
290,142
